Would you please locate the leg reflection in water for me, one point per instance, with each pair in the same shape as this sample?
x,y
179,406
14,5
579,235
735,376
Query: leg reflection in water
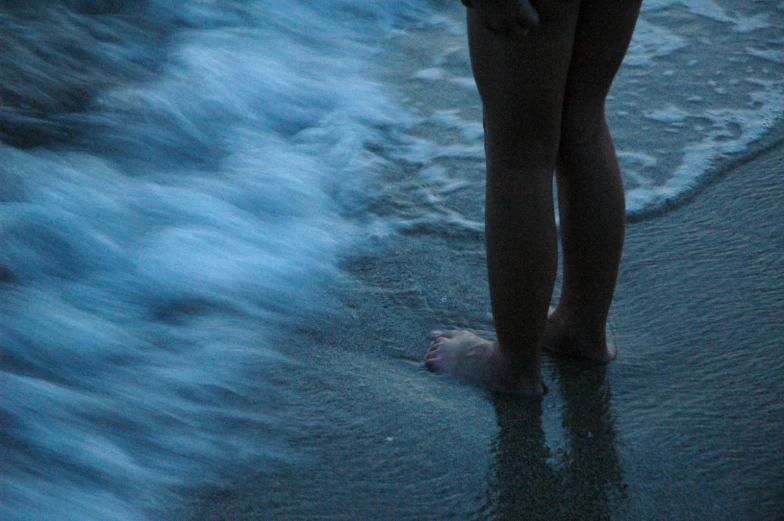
x,y
529,481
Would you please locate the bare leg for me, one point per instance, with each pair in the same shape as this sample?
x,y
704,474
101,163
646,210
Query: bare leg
x,y
521,83
590,189
543,99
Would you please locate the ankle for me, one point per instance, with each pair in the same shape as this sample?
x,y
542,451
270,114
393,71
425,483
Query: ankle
x,y
589,325
577,334
518,376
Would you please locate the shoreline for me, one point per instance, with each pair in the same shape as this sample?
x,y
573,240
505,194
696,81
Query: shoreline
x,y
684,424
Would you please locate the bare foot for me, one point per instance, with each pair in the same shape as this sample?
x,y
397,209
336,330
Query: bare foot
x,y
572,339
477,361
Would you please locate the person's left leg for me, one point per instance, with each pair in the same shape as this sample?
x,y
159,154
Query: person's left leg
x,y
590,188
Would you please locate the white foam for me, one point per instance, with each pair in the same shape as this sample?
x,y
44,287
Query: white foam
x,y
464,81
159,268
437,176
634,166
470,131
429,74
773,55
668,114
650,42
732,131
709,9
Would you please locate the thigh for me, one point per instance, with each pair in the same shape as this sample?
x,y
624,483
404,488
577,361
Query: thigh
x,y
521,82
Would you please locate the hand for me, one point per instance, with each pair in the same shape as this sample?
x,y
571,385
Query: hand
x,y
509,18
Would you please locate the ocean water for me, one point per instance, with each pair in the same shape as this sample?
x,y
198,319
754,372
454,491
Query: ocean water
x,y
179,182
700,86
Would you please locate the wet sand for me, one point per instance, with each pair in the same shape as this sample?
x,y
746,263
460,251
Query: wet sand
x,y
685,424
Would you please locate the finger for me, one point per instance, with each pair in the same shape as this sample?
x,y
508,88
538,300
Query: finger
x,y
509,31
500,29
527,15
517,31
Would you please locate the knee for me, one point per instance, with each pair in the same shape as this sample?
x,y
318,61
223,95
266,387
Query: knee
x,y
522,141
583,126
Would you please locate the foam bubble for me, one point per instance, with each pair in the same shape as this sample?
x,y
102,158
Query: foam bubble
x,y
668,114
429,74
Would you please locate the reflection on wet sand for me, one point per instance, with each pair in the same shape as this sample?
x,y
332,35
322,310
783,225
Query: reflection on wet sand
x,y
528,481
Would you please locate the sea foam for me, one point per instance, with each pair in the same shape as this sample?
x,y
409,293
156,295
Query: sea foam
x,y
161,239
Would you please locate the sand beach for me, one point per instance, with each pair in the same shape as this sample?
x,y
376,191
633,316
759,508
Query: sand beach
x,y
684,424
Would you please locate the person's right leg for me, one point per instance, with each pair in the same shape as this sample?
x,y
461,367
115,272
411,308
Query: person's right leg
x,y
521,83
590,189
